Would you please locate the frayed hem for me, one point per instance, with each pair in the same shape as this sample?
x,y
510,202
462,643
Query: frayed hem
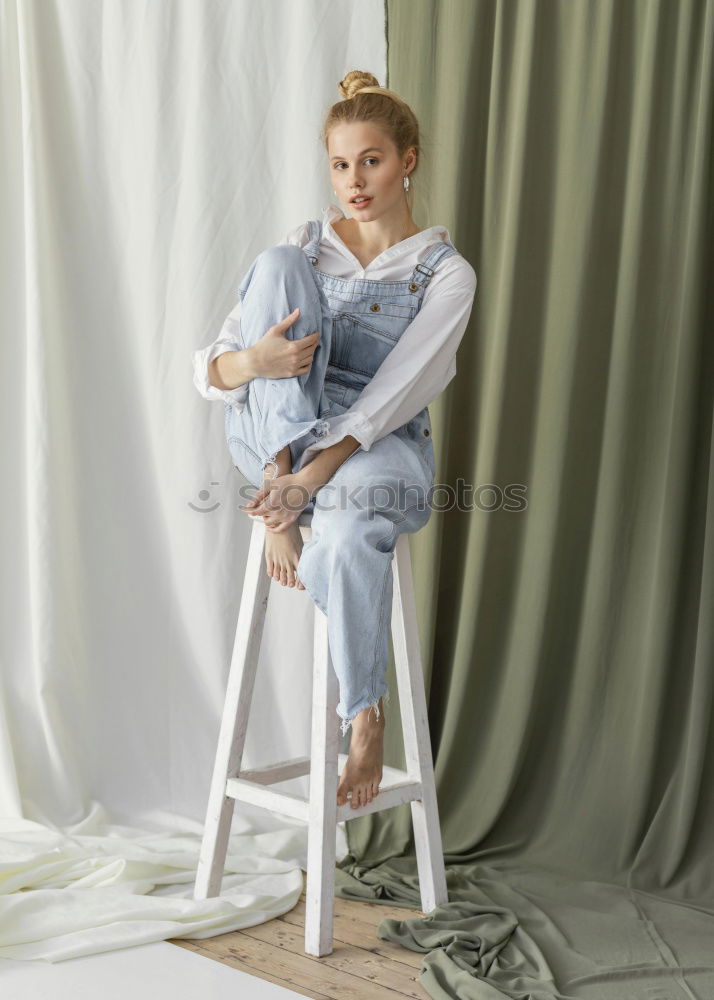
x,y
319,429
346,723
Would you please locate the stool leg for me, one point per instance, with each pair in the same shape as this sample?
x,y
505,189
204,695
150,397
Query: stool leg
x,y
321,849
415,726
234,723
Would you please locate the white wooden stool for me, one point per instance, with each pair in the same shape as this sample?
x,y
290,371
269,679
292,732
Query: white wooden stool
x,y
325,764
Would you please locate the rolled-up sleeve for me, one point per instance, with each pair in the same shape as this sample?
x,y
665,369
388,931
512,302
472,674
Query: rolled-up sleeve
x,y
417,369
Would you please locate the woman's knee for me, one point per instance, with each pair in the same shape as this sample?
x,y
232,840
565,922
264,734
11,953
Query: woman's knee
x,y
285,257
347,531
286,267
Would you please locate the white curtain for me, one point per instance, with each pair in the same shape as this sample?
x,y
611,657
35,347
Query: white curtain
x,y
150,149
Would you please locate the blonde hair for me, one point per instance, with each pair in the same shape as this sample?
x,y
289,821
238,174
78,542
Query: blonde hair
x,y
363,100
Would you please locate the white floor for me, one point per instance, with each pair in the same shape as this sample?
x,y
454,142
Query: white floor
x,y
157,971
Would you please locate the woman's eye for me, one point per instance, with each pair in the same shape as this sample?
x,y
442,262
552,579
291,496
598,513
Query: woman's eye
x,y
373,159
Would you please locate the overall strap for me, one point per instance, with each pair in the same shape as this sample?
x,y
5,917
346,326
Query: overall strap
x,y
423,272
314,235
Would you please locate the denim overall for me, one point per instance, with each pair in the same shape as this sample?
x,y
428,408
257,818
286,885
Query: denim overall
x,y
346,566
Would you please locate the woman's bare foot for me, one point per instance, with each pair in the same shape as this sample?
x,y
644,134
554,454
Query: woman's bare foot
x,y
363,770
282,549
282,555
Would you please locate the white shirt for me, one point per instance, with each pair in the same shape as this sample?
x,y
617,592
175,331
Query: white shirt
x,y
419,366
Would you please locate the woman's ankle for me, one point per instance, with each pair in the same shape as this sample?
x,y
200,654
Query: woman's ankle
x,y
281,466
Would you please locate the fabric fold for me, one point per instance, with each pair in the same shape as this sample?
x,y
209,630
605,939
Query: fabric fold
x,y
63,895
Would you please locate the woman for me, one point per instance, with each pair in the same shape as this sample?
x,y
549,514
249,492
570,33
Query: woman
x,y
326,411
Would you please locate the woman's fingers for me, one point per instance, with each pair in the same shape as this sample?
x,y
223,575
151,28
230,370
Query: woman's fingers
x,y
306,348
252,506
308,345
255,500
266,505
289,320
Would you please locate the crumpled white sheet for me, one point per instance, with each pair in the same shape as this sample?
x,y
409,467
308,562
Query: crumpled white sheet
x,y
65,894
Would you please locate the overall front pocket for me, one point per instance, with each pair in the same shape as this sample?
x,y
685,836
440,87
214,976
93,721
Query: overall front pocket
x,y
365,346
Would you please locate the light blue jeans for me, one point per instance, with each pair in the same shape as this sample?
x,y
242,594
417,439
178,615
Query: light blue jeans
x,y
346,566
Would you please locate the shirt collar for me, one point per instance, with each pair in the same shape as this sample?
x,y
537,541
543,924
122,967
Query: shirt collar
x,y
434,234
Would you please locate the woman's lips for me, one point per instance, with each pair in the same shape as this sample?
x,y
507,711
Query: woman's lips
x,y
360,204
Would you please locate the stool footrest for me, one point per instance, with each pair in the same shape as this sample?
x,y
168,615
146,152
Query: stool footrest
x,y
283,771
395,789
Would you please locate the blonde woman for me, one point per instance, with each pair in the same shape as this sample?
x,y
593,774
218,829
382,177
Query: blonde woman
x,y
343,335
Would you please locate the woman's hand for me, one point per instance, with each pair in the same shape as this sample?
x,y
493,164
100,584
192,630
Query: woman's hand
x,y
274,356
280,502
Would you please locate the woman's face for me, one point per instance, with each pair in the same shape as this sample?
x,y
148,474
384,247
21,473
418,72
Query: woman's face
x,y
364,161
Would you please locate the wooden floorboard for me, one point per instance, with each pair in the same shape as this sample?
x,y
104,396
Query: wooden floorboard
x,y
361,966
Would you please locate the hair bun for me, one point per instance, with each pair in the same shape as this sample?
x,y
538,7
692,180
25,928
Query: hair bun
x,y
354,81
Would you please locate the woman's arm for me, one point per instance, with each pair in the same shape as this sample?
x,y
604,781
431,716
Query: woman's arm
x,y
232,369
282,498
223,369
324,465
417,369
213,365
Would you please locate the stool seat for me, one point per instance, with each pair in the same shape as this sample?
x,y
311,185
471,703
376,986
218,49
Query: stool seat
x,y
324,764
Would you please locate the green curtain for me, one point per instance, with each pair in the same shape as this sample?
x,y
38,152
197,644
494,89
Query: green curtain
x,y
567,641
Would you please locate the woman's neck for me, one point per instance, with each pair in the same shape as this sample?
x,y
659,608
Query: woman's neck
x,y
358,237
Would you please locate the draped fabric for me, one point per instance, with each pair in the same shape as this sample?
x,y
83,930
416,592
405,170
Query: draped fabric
x,y
150,150
566,603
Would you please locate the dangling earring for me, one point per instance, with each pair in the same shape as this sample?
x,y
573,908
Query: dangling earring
x,y
406,182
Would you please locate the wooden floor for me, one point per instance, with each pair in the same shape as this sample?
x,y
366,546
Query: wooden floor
x,y
361,965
